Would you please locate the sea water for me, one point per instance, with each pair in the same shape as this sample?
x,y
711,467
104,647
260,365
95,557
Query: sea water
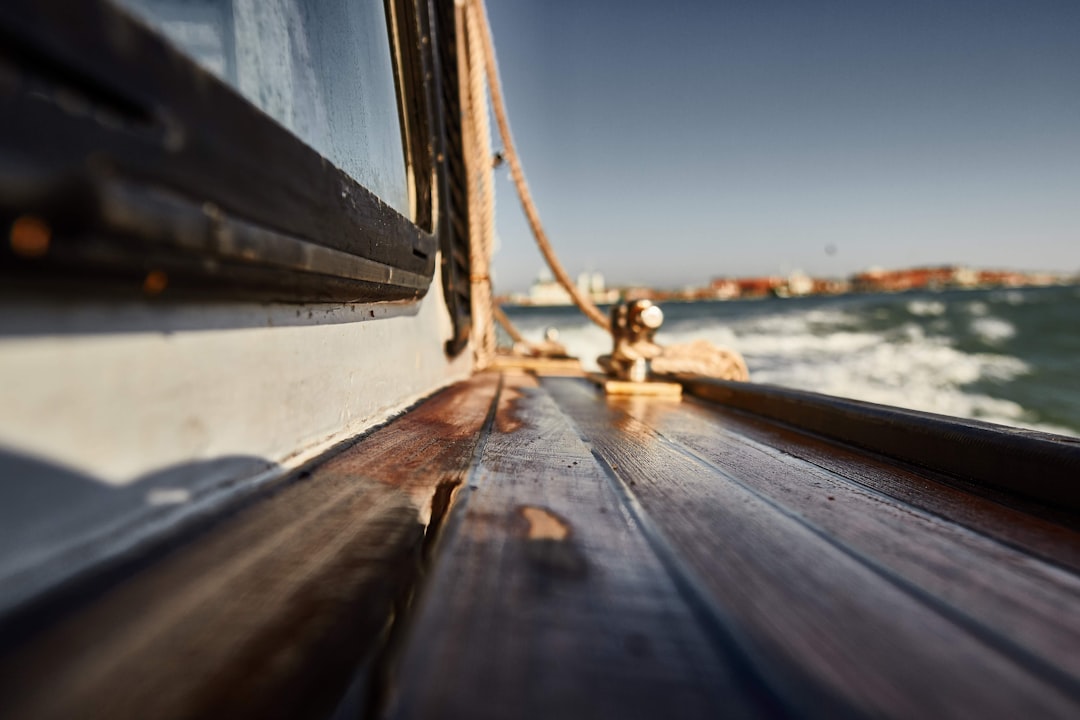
x,y
1009,356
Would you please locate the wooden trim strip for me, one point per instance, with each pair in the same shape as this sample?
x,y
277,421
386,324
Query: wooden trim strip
x,y
1033,464
276,609
96,99
545,601
170,221
1026,526
823,621
1001,594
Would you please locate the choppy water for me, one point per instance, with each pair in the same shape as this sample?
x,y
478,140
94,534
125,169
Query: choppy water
x,y
1004,356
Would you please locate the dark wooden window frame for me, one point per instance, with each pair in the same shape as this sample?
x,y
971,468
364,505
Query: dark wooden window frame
x,y
135,162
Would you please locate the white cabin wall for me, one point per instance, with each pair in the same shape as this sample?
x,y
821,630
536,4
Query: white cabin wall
x,y
117,420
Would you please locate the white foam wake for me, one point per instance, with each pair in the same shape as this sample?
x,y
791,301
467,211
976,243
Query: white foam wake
x,y
833,352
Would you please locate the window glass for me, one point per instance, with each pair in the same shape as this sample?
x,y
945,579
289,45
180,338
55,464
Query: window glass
x,y
321,68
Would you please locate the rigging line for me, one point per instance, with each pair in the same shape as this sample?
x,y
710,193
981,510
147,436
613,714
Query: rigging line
x,y
508,326
699,357
476,140
478,18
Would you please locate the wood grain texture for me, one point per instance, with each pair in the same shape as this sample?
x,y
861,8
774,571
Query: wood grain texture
x,y
270,613
429,450
547,600
653,389
1028,608
817,616
1043,532
544,365
607,557
1027,463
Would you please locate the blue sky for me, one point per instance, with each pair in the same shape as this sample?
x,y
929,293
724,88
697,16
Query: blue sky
x,y
671,142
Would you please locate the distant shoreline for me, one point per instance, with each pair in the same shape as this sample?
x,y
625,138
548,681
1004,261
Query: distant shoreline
x,y
872,282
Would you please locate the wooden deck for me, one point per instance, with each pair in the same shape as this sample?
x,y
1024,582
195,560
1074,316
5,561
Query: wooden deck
x,y
602,557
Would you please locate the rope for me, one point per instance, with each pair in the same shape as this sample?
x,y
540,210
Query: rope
x,y
481,31
508,326
476,141
476,61
700,357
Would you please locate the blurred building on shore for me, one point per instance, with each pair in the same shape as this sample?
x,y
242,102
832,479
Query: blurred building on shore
x,y
947,277
545,291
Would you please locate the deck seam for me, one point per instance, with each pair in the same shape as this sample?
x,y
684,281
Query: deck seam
x,y
723,633
1010,501
1019,655
918,510
456,512
400,628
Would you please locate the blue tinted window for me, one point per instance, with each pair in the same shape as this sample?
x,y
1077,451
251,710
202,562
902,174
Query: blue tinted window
x,y
321,68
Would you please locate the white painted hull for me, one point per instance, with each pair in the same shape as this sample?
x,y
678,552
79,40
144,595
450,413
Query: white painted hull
x,y
119,421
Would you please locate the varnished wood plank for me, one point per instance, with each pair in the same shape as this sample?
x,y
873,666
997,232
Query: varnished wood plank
x,y
815,616
546,600
269,614
546,365
1025,462
1017,602
645,389
1051,539
427,451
